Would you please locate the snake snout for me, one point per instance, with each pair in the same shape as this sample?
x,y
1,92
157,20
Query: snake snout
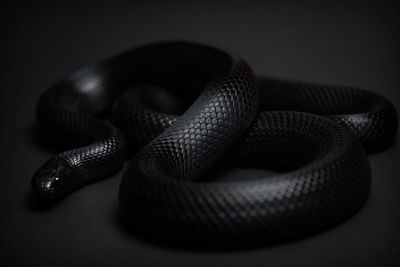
x,y
50,182
47,186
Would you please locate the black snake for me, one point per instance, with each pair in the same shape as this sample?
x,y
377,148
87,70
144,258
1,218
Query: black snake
x,y
178,109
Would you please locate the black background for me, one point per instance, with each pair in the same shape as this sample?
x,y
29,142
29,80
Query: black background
x,y
343,43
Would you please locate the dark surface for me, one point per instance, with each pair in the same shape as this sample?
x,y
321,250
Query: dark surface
x,y
347,44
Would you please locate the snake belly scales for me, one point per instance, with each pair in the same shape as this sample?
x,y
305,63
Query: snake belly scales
x,y
178,109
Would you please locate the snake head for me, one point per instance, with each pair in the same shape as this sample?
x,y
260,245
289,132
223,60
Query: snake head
x,y
51,180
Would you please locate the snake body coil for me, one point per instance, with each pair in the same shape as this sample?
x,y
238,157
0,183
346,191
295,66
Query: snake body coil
x,y
180,108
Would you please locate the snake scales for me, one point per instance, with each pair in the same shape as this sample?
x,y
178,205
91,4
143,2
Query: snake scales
x,y
178,109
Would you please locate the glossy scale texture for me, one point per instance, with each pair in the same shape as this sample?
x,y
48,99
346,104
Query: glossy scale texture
x,y
180,109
